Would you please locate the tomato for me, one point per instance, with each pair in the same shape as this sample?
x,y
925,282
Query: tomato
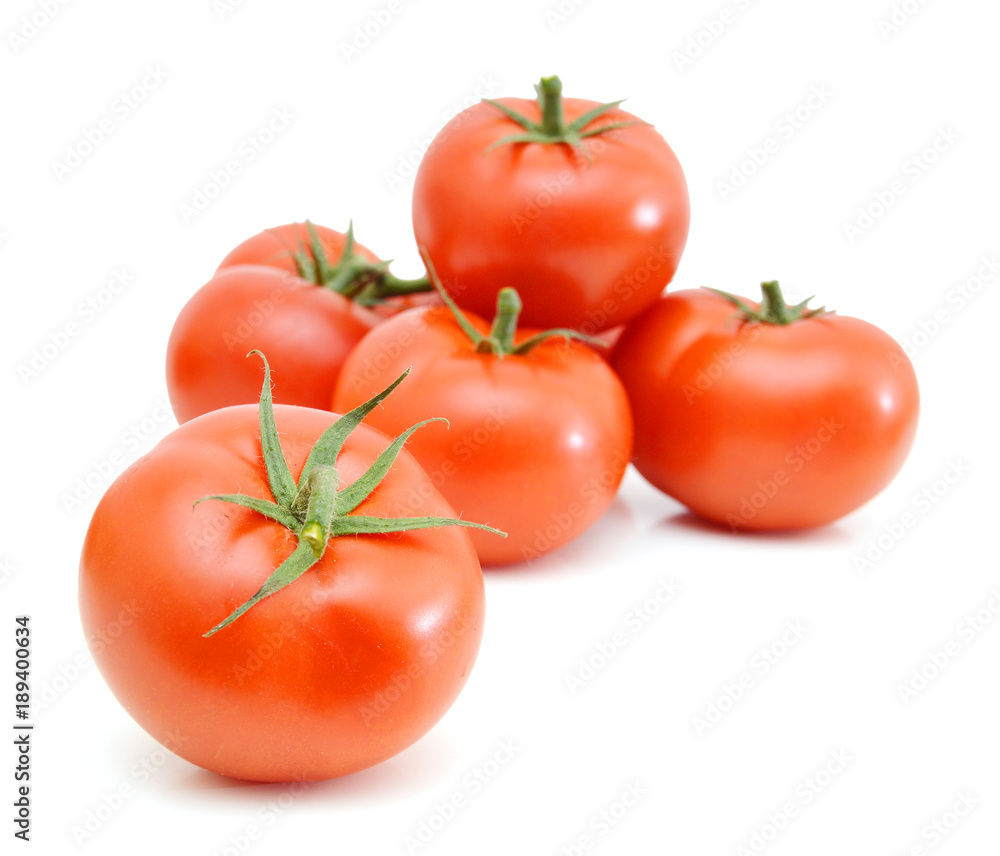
x,y
339,669
314,252
538,441
280,246
762,424
589,229
306,331
303,294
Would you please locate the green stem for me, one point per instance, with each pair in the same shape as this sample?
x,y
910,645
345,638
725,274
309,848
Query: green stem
x,y
505,321
322,488
549,90
393,286
773,308
316,509
500,342
354,276
553,128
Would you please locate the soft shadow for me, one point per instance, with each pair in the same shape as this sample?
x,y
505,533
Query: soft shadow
x,y
414,769
832,534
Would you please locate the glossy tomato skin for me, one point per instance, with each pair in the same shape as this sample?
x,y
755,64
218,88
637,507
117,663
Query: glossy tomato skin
x,y
276,247
305,330
343,668
537,444
588,243
762,427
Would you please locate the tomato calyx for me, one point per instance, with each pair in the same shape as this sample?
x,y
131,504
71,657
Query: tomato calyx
x,y
773,308
316,508
553,127
354,276
500,341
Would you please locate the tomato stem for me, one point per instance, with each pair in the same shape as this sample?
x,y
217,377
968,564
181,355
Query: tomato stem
x,y
322,500
549,91
505,321
317,509
553,128
354,276
500,342
773,308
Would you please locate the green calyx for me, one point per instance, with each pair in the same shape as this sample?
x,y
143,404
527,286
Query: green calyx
x,y
354,276
317,508
553,127
500,341
773,309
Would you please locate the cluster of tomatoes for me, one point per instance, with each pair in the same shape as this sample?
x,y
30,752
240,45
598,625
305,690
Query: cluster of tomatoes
x,y
309,595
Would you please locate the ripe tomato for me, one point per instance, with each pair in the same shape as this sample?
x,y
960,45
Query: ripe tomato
x,y
315,252
282,247
306,331
588,222
538,441
758,424
341,668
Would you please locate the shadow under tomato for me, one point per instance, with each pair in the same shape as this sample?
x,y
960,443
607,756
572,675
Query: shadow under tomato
x,y
414,769
831,534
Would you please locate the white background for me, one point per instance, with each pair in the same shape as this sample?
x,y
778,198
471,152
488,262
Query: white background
x,y
98,405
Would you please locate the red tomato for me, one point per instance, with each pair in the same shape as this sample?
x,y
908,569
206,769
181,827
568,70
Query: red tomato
x,y
306,331
291,248
537,443
590,234
757,425
343,668
278,247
